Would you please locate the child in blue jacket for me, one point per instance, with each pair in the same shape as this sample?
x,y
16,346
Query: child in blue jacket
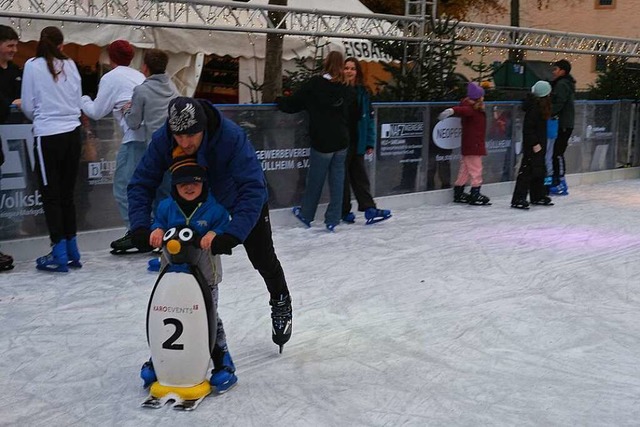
x,y
192,204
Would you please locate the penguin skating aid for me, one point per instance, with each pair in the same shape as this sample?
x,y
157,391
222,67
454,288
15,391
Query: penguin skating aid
x,y
181,326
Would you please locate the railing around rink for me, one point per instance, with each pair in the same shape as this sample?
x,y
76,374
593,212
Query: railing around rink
x,y
409,155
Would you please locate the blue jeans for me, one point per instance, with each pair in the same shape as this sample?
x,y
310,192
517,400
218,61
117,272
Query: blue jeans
x,y
321,165
127,160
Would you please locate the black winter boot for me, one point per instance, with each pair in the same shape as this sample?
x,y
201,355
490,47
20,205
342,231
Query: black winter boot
x,y
478,198
459,196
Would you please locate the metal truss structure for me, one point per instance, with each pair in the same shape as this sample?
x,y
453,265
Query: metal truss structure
x,y
237,16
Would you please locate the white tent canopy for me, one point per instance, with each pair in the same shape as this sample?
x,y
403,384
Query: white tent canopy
x,y
187,47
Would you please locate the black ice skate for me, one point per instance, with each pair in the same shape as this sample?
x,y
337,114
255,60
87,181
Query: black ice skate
x,y
6,262
459,196
125,246
281,320
477,198
544,201
520,204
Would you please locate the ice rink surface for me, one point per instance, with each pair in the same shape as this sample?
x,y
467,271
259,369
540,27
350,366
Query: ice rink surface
x,y
445,315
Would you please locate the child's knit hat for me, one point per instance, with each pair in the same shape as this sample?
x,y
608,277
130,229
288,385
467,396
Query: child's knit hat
x,y
541,89
474,91
187,169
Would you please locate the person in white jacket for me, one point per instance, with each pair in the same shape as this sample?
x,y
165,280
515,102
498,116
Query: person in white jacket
x,y
114,92
51,92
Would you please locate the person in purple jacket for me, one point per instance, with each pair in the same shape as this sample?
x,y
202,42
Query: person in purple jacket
x,y
196,128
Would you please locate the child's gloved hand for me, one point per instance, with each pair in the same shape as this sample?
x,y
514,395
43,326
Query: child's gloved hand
x,y
446,113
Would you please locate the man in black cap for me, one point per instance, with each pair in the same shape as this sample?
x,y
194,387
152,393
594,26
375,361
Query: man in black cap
x,y
196,128
562,98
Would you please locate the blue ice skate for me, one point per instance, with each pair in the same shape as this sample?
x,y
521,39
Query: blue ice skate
x,y
73,253
374,215
296,212
223,376
148,374
56,260
349,218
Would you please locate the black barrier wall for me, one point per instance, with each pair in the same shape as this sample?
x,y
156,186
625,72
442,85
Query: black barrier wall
x,y
414,153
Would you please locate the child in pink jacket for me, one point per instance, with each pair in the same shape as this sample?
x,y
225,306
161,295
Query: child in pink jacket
x,y
474,126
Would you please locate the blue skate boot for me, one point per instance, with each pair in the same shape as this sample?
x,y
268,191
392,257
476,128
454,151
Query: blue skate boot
x,y
153,265
349,218
296,211
56,260
223,376
73,253
148,374
374,215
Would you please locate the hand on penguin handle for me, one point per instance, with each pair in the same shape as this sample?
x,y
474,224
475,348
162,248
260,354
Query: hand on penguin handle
x,y
205,241
445,114
155,239
223,244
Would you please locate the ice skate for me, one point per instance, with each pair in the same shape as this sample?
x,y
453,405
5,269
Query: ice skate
x,y
520,204
223,376
56,260
73,253
478,199
6,262
281,319
544,201
126,246
374,215
153,265
459,196
296,212
148,374
349,218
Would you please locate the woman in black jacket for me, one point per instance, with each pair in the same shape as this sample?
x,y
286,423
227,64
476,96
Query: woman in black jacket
x,y
532,171
329,102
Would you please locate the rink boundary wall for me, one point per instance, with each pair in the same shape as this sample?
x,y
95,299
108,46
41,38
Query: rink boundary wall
x,y
30,248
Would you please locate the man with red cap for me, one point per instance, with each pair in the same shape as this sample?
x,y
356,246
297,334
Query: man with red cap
x,y
114,92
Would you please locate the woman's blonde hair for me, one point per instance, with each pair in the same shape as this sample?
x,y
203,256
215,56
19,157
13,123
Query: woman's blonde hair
x,y
333,65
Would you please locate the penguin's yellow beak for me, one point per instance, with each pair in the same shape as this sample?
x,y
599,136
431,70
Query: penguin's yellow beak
x,y
174,247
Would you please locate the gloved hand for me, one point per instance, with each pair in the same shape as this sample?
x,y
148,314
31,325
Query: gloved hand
x,y
223,244
140,239
446,113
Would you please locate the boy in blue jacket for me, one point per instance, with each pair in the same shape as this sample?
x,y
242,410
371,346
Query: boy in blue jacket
x,y
191,204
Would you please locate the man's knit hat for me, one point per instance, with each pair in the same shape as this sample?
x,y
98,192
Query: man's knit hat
x,y
563,64
120,52
541,89
187,169
186,116
474,91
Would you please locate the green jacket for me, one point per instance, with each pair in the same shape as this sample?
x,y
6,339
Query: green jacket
x,y
366,121
562,100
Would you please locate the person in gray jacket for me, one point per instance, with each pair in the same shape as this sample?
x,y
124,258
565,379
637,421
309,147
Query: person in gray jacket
x,y
147,112
148,108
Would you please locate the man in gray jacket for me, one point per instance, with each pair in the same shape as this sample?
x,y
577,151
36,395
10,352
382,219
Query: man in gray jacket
x,y
150,100
147,112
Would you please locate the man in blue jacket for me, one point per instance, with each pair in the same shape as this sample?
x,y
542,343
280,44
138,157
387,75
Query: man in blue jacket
x,y
236,180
